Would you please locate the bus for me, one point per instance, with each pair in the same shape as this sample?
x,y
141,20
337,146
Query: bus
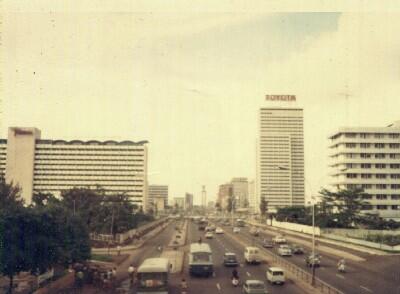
x,y
152,276
200,260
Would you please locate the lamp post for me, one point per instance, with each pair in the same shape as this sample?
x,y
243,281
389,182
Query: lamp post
x,y
313,242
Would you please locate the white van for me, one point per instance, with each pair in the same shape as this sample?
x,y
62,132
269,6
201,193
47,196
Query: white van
x,y
275,275
252,255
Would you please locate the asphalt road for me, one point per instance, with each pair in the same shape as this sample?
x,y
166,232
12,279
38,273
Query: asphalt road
x,y
378,274
221,282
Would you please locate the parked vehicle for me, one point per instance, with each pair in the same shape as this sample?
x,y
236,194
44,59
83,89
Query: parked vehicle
x,y
279,239
236,230
252,255
254,287
296,249
284,250
230,259
267,244
200,260
209,235
275,275
313,260
219,230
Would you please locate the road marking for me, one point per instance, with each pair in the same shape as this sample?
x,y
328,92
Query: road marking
x,y
218,287
366,289
248,274
340,276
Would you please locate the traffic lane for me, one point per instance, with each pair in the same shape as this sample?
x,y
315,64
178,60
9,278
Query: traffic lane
x,y
247,272
353,281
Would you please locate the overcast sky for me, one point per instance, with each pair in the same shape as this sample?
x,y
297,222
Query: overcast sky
x,y
191,81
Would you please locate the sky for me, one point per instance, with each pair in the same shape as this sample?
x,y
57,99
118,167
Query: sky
x,y
191,81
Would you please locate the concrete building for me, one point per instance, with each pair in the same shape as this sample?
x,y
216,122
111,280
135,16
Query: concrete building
x,y
224,192
50,166
369,158
179,202
240,189
188,201
157,192
253,203
280,156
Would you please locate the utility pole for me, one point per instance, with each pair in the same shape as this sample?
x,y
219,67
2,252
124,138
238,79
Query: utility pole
x,y
204,198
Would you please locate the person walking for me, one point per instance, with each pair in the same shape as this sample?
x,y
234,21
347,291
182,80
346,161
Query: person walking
x,y
119,250
131,273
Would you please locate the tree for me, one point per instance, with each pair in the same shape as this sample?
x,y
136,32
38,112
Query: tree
x,y
344,206
230,204
294,214
263,206
10,196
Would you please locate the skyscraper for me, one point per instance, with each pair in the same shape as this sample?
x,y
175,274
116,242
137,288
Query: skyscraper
x,y
188,201
280,156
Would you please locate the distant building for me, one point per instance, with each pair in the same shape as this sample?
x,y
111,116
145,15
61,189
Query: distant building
x,y
51,166
188,201
369,158
157,192
253,203
280,155
179,202
224,193
240,191
211,204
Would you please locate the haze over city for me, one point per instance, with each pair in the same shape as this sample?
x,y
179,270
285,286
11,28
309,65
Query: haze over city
x,y
192,83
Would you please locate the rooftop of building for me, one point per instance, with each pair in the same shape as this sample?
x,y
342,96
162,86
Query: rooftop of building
x,y
393,127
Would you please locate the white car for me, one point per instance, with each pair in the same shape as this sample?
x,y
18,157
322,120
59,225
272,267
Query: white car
x,y
219,231
236,229
209,235
284,250
279,239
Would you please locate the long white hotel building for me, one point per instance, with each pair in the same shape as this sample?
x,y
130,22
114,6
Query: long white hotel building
x,y
369,158
38,165
280,156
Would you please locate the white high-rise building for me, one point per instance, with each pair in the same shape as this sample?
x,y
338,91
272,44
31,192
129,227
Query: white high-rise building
x,y
51,166
280,156
369,158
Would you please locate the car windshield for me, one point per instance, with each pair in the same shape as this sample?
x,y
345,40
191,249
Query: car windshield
x,y
256,286
276,273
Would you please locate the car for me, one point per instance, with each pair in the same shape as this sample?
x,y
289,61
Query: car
x,y
275,275
296,249
236,229
313,260
279,239
219,231
267,244
252,255
255,231
254,287
230,259
284,250
209,235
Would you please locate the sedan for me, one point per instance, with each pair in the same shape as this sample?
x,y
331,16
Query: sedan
x,y
230,259
267,244
254,287
219,231
296,249
209,235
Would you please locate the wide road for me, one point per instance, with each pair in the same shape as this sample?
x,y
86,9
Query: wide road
x,y
221,283
369,276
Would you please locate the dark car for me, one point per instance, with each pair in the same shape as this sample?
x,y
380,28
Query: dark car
x,y
313,260
296,249
230,259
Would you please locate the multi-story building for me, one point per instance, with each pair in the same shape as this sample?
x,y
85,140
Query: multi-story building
x,y
179,202
188,201
253,203
240,188
224,193
51,166
280,156
157,192
369,158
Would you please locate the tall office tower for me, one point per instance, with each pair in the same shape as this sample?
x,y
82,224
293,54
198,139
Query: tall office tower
x,y
158,193
280,158
369,158
188,201
51,166
225,191
240,192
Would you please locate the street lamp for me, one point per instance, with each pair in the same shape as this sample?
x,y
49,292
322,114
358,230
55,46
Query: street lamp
x,y
313,241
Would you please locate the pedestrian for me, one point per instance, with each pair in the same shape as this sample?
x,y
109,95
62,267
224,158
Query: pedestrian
x,y
79,278
114,274
119,250
131,273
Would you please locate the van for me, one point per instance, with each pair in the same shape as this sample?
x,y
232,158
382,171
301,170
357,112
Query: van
x,y
252,255
275,275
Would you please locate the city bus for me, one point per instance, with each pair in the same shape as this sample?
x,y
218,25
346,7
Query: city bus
x,y
200,260
152,276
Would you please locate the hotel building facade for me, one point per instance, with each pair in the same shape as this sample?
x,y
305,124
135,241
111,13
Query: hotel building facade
x,y
369,158
51,166
280,157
